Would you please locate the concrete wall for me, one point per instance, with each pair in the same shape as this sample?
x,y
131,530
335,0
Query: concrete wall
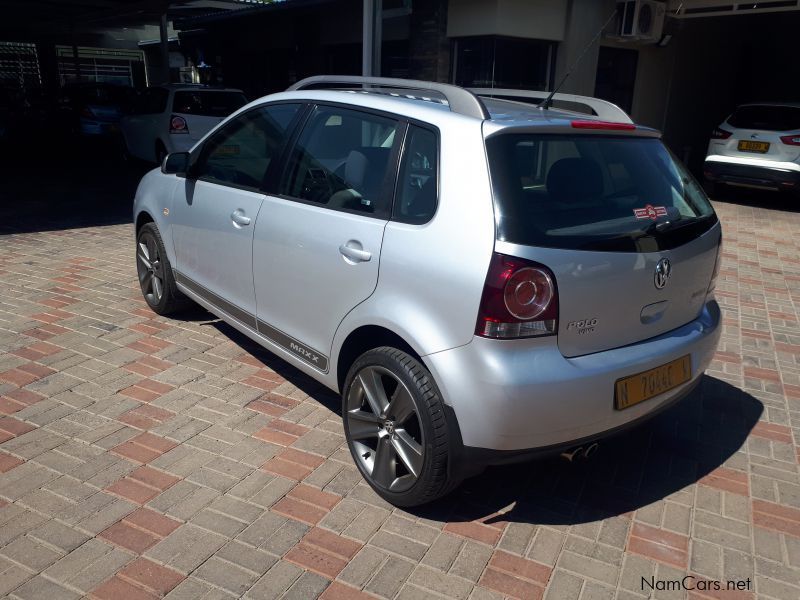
x,y
532,19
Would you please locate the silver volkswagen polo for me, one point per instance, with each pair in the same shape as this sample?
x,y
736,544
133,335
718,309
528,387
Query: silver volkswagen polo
x,y
482,278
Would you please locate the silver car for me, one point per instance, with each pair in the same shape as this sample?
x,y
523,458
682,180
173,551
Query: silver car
x,y
483,279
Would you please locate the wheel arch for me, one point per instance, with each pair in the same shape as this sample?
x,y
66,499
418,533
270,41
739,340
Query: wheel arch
x,y
142,219
363,339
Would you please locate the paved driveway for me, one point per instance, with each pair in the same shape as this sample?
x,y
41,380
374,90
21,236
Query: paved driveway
x,y
144,456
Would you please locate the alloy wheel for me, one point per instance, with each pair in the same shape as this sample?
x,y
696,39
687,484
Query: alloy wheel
x,y
150,269
385,430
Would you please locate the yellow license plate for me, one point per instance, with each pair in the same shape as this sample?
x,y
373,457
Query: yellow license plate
x,y
748,146
648,384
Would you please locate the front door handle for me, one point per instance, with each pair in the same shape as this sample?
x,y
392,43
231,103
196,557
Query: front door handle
x,y
239,218
353,250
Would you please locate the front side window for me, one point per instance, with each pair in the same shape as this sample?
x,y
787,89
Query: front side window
x,y
594,193
240,153
341,161
417,186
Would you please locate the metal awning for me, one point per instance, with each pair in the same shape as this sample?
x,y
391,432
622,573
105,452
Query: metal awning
x,y
27,18
687,9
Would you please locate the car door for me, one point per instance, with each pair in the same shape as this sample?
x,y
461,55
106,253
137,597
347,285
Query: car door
x,y
214,212
318,238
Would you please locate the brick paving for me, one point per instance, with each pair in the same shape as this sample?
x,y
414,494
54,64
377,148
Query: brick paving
x,y
143,457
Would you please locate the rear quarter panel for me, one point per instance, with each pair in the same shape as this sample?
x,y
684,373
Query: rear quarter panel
x,y
431,276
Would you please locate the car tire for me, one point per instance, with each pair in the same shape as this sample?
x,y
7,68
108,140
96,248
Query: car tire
x,y
156,279
395,427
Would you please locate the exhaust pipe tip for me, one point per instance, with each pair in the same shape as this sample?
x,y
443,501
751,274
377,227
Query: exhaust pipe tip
x,y
573,454
591,450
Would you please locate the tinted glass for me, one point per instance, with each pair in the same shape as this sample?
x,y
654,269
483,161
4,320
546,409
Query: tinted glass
x,y
241,152
594,193
417,187
342,161
151,101
207,103
493,61
768,118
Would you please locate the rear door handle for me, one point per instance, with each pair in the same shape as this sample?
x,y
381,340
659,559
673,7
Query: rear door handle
x,y
239,218
354,252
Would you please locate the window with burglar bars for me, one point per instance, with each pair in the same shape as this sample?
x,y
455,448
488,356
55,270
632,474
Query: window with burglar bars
x,y
98,65
19,66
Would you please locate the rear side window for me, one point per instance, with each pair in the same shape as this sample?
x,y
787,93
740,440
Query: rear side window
x,y
417,186
767,118
593,193
207,103
341,161
240,153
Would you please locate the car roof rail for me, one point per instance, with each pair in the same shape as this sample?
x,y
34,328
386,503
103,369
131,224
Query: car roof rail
x,y
460,100
602,108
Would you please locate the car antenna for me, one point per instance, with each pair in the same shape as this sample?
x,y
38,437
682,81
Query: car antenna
x,y
549,100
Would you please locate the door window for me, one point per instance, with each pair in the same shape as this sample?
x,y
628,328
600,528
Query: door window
x,y
417,188
342,161
240,153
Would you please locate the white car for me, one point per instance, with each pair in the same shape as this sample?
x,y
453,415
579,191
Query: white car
x,y
173,118
758,146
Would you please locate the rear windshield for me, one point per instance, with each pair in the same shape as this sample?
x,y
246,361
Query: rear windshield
x,y
767,118
207,103
594,193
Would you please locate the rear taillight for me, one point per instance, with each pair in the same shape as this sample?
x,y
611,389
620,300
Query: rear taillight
x,y
608,125
712,286
792,140
720,134
519,299
178,125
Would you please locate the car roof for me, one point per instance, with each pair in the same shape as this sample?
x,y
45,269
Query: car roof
x,y
417,105
493,109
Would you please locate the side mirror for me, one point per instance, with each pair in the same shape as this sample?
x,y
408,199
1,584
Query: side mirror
x,y
176,163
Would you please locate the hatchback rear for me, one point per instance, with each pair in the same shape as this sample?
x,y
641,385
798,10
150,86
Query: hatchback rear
x,y
598,306
757,146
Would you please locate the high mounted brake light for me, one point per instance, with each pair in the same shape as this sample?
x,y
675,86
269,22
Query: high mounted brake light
x,y
607,125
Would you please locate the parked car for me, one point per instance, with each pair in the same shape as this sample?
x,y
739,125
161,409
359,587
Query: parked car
x,y
482,280
93,109
757,146
172,118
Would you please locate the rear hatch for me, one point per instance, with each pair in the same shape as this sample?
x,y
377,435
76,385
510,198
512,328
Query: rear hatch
x,y
757,131
203,109
601,212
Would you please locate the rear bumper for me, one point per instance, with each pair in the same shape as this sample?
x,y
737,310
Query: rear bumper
x,y
752,173
525,397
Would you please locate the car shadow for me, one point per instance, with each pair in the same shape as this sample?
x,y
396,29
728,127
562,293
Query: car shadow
x,y
633,469
290,373
782,201
629,471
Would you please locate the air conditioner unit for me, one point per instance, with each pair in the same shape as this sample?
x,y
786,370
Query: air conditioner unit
x,y
640,21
